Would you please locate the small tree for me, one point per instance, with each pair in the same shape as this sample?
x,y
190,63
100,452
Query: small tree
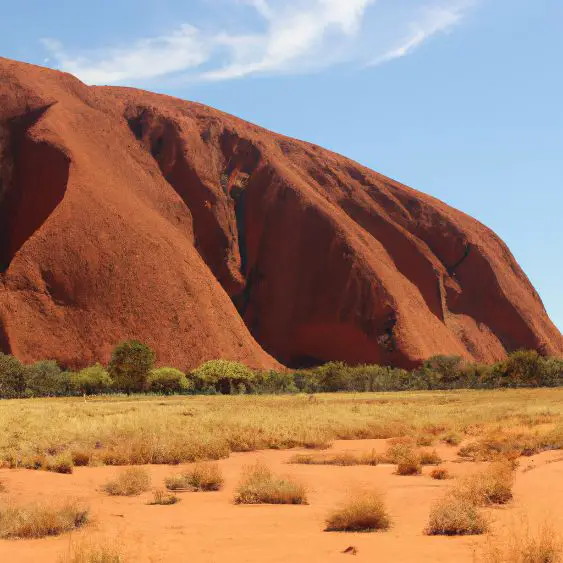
x,y
12,377
223,376
91,380
167,381
130,365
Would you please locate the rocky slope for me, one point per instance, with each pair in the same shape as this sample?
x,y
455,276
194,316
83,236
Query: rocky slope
x,y
129,214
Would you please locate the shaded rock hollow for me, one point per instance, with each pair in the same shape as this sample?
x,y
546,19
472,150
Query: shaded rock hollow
x,y
126,214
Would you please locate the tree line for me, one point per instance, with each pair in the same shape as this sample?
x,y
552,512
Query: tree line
x,y
132,370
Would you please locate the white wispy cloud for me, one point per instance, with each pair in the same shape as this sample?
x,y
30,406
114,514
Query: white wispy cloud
x,y
294,36
433,21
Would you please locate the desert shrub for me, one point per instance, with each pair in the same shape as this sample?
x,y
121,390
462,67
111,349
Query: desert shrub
x,y
59,463
44,379
38,521
491,486
260,486
524,545
92,380
164,498
201,477
130,365
80,458
440,473
452,438
274,383
167,381
443,372
429,457
306,381
129,482
222,376
12,377
363,512
453,516
409,466
333,376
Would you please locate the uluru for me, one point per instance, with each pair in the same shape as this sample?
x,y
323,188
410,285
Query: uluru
x,y
126,214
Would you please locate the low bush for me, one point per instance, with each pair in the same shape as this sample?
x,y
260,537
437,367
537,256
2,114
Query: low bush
x,y
164,498
129,482
167,381
429,457
222,376
440,473
202,477
92,380
260,486
453,516
60,463
362,512
38,521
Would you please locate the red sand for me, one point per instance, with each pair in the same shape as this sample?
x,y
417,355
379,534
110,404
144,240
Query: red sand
x,y
126,214
208,527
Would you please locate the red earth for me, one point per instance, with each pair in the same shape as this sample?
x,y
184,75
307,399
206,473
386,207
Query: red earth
x,y
126,214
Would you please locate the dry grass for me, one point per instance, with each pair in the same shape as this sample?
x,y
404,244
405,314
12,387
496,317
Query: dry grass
x,y
202,477
164,498
524,545
40,520
130,482
491,486
147,430
453,516
93,552
440,474
363,512
344,459
260,486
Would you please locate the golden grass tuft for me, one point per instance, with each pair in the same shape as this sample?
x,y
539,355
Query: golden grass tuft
x,y
491,486
362,512
454,516
93,552
429,457
129,482
60,463
201,477
164,498
524,545
260,486
40,520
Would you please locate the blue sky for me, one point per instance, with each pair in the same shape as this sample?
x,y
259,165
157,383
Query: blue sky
x,y
460,99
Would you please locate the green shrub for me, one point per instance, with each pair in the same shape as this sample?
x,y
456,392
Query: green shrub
x,y
167,381
130,365
45,379
12,377
274,382
91,381
223,376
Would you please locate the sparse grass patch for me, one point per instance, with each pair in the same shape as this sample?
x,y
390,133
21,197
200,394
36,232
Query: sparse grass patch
x,y
40,520
344,459
524,545
440,473
90,552
201,477
453,516
129,482
164,498
362,512
260,486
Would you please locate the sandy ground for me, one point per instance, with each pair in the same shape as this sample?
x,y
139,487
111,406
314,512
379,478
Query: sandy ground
x,y
208,527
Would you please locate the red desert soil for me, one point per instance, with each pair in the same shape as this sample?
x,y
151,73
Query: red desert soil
x,y
126,214
208,527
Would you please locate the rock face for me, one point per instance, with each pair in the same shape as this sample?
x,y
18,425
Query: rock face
x,y
126,214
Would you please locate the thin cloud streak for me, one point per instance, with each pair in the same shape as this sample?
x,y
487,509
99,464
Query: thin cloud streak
x,y
295,36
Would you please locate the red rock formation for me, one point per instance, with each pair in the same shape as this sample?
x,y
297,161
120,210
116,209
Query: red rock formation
x,y
129,214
